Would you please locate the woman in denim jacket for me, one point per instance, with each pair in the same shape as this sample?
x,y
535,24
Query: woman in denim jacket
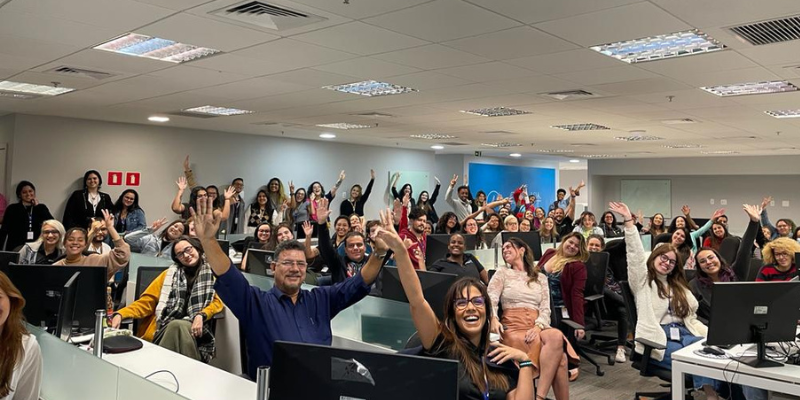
x,y
127,213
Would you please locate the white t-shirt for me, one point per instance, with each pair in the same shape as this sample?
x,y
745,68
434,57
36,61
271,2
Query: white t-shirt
x,y
28,372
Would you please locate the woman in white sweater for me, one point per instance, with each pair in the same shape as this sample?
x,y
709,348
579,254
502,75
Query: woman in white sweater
x,y
665,306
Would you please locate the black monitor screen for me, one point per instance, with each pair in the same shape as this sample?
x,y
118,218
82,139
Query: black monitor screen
x,y
434,287
259,261
530,238
436,246
41,286
349,374
8,257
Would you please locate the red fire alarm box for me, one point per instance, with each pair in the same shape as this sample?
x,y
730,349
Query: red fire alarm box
x,y
114,178
132,178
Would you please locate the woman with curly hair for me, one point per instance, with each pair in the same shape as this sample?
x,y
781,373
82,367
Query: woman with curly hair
x,y
779,262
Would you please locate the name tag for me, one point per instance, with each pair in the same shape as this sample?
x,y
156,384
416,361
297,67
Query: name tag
x,y
30,235
564,313
674,333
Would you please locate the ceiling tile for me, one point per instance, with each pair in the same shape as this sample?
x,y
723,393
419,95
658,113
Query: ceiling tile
x,y
120,15
241,65
442,20
105,61
535,84
250,89
136,88
512,43
621,23
684,99
641,86
531,12
427,80
177,5
205,32
366,68
360,38
41,51
361,9
180,101
702,63
48,79
487,72
312,78
195,78
294,54
774,54
308,98
722,13
757,74
431,57
53,30
565,62
607,75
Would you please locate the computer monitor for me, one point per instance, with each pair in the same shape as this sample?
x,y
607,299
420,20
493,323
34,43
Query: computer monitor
x,y
41,286
434,287
225,245
436,245
337,374
530,238
66,308
8,257
754,312
259,261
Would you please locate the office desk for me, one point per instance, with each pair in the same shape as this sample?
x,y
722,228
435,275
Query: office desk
x,y
784,379
198,381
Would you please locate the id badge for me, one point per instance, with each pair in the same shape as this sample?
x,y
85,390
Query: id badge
x,y
564,313
30,235
674,334
236,221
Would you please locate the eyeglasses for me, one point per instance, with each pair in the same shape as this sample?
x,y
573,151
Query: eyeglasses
x,y
186,252
781,255
703,261
478,302
289,263
260,231
45,233
665,259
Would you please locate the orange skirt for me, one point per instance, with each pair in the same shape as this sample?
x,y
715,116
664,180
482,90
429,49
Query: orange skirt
x,y
517,322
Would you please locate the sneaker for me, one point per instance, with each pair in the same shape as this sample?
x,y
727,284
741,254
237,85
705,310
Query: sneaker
x,y
620,358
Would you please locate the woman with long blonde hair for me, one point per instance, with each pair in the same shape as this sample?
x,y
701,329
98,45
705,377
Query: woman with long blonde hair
x,y
20,356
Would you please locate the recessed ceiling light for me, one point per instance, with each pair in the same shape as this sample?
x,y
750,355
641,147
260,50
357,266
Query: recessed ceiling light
x,y
515,155
157,118
598,156
720,152
501,144
574,161
134,44
683,146
740,89
327,135
495,112
555,151
660,47
370,88
433,136
783,113
581,127
437,147
30,88
214,110
638,138
344,125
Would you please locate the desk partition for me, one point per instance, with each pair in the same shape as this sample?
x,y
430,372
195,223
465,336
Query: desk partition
x,y
72,373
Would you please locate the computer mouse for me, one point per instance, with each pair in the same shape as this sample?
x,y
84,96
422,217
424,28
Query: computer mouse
x,y
713,350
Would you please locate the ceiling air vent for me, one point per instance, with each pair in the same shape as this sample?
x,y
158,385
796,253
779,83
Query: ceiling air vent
x,y
267,15
768,32
569,94
80,72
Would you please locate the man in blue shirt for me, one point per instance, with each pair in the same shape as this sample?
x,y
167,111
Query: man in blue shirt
x,y
285,312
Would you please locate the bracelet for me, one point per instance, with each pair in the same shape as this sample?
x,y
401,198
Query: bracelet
x,y
524,364
539,325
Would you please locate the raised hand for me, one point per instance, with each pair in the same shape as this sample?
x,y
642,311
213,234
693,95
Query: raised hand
x,y
437,180
285,205
186,163
323,211
291,187
372,174
341,176
720,212
308,229
406,200
581,185
621,209
229,192
181,183
686,210
108,218
639,216
754,212
387,233
466,180
766,201
454,180
157,224
206,223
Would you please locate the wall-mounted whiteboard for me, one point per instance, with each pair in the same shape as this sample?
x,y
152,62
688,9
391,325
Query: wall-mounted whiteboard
x,y
649,195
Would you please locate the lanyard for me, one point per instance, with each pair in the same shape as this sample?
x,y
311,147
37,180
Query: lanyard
x,y
30,219
486,381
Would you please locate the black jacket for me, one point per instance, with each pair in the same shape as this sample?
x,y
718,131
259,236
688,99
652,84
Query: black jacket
x,y
78,212
346,208
16,224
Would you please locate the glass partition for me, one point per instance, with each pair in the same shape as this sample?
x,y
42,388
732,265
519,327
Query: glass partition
x,y
489,258
141,260
67,367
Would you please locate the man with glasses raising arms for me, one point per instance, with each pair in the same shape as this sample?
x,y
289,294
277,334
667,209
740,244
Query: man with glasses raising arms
x,y
285,312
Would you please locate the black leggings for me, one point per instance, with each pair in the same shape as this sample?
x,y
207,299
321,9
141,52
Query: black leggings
x,y
616,308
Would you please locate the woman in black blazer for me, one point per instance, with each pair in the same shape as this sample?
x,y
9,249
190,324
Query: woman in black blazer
x,y
85,204
22,222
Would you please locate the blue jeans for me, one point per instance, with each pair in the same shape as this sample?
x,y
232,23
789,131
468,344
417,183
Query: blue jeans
x,y
751,393
686,338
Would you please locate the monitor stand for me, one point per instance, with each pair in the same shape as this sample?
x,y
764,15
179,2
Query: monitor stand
x,y
760,360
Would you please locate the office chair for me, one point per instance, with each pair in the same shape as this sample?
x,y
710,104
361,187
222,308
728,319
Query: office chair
x,y
752,271
568,328
729,247
662,238
596,267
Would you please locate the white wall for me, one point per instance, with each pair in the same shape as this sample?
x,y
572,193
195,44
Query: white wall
x,y
7,138
53,153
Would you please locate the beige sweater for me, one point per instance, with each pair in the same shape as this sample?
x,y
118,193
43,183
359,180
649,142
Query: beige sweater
x,y
651,308
114,260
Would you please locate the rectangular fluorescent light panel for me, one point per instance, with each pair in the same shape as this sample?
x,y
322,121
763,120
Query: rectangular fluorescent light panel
x,y
720,152
30,88
370,88
784,113
740,89
214,110
134,44
581,127
661,47
598,156
495,112
433,136
555,151
638,138
344,125
501,144
683,146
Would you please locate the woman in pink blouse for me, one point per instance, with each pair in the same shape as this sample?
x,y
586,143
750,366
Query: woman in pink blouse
x,y
523,291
